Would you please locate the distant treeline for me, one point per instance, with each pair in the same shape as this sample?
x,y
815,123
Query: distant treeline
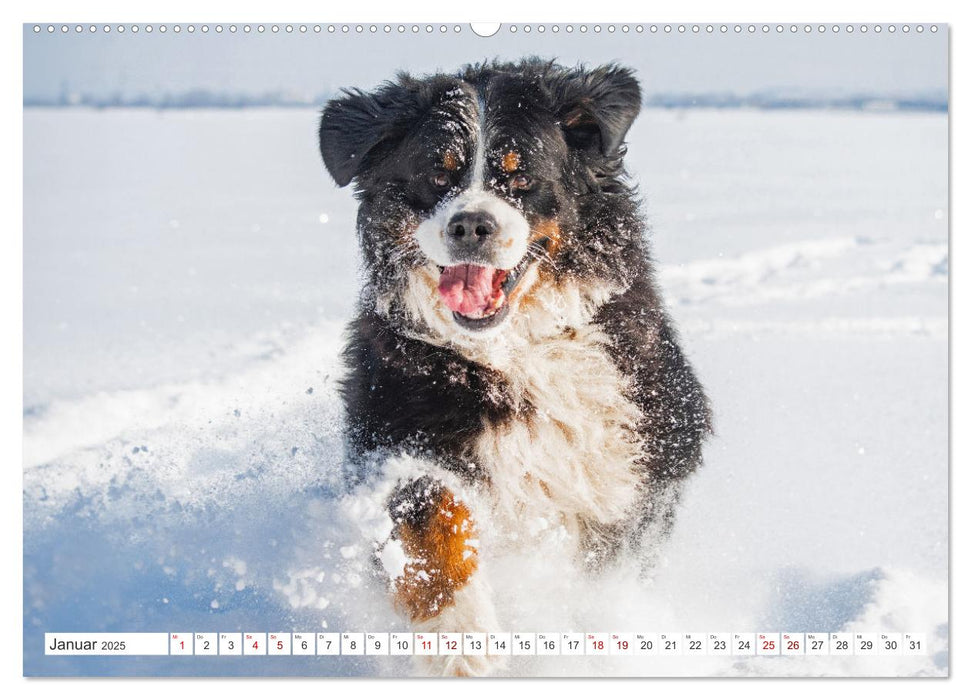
x,y
887,103
206,99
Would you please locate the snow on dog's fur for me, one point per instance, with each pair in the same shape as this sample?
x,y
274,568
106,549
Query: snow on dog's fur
x,y
510,343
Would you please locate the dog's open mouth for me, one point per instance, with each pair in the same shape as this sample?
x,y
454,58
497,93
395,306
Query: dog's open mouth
x,y
478,295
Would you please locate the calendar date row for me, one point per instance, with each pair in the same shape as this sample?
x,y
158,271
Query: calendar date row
x,y
486,643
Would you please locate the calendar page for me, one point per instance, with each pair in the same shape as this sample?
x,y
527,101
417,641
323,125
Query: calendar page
x,y
513,350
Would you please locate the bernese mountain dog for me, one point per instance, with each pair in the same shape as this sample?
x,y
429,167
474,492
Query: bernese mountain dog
x,y
511,361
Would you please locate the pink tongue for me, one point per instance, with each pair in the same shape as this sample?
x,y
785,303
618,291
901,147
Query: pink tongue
x,y
467,289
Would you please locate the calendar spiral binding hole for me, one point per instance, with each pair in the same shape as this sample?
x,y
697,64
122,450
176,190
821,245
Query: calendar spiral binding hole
x,y
594,29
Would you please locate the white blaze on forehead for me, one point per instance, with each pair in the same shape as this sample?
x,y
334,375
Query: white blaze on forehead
x,y
479,160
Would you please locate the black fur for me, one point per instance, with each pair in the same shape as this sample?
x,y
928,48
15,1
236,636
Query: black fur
x,y
570,123
405,394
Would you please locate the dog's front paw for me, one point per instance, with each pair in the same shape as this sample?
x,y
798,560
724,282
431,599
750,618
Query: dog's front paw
x,y
439,585
438,537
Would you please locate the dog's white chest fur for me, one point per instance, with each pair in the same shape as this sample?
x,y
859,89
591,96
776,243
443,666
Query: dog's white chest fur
x,y
571,454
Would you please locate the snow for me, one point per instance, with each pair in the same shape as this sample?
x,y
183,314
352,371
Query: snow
x,y
183,467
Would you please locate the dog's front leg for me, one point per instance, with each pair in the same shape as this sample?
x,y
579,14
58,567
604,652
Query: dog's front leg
x,y
440,587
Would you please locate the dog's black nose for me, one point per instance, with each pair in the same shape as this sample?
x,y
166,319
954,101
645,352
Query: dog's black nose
x,y
471,225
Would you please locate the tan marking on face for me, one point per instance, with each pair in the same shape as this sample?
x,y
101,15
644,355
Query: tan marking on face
x,y
550,230
510,162
407,229
430,281
449,161
515,295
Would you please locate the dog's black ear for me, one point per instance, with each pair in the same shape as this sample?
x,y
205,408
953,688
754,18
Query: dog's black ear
x,y
596,107
353,126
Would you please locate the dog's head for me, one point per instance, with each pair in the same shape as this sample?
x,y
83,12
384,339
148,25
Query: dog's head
x,y
476,188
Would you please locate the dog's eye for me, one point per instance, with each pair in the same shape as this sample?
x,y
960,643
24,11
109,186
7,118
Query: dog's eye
x,y
521,182
440,180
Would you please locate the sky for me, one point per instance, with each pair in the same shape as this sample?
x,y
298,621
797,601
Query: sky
x,y
312,64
